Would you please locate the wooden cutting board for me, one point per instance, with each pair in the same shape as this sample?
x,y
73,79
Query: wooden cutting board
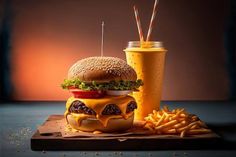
x,y
50,136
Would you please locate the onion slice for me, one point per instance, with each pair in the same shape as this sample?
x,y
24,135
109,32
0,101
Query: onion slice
x,y
118,92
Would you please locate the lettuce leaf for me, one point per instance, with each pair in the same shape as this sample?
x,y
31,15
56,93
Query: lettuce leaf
x,y
112,85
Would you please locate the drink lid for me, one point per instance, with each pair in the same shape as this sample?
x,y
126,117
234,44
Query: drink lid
x,y
148,44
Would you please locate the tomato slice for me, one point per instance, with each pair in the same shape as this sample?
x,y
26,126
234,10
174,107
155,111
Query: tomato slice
x,y
77,93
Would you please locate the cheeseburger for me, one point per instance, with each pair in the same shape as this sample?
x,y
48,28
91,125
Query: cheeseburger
x,y
100,88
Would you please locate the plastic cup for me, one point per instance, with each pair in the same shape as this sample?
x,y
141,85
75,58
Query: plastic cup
x,y
148,60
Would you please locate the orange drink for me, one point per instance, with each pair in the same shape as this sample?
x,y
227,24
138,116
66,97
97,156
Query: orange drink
x,y
148,60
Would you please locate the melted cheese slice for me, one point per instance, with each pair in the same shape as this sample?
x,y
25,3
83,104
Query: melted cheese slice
x,y
98,105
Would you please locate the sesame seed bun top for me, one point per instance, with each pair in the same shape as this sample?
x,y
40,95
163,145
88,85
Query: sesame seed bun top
x,y
102,69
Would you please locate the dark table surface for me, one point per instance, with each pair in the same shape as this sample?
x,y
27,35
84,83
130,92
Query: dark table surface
x,y
19,120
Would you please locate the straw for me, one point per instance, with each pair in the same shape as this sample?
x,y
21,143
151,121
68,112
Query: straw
x,y
152,19
138,24
102,42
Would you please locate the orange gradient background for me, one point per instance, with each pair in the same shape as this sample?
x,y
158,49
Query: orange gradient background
x,y
48,36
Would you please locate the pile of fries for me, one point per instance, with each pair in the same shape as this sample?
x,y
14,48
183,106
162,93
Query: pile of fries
x,y
175,122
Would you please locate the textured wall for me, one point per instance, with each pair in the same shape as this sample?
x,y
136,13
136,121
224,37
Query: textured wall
x,y
50,35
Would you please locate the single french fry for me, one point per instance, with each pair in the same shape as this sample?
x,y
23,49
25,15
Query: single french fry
x,y
198,131
183,115
166,118
182,134
179,125
194,127
181,119
166,125
171,114
184,122
169,131
97,132
166,113
160,120
187,127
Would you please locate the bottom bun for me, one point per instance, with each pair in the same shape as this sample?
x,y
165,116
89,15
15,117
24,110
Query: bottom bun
x,y
92,124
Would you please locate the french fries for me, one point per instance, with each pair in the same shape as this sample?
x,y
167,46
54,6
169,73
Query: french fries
x,y
177,122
